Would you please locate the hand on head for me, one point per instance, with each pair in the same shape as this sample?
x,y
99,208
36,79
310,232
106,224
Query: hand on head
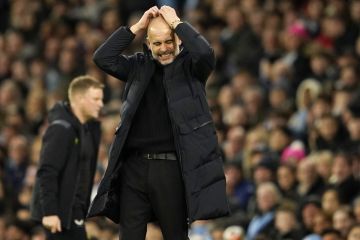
x,y
168,13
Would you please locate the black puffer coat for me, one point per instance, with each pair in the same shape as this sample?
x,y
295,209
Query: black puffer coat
x,y
194,132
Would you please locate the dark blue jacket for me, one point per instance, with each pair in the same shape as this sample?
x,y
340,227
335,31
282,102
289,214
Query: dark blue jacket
x,y
193,128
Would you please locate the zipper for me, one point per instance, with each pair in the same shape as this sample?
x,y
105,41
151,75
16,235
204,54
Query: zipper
x,y
176,141
202,125
75,191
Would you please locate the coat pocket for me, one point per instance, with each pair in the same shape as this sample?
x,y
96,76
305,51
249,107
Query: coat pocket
x,y
195,124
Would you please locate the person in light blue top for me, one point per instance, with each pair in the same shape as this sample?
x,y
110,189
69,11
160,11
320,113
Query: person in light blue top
x,y
267,199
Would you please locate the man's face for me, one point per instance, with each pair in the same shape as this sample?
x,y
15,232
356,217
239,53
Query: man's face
x,y
164,45
91,103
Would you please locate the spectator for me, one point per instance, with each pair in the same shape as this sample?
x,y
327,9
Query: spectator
x,y
354,232
331,234
343,219
330,201
309,182
286,224
267,199
309,208
286,180
356,209
343,179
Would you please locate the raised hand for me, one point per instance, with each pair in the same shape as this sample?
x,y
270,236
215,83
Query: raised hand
x,y
170,16
143,23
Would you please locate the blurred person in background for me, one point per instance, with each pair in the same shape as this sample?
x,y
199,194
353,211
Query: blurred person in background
x,y
330,201
309,182
16,165
331,234
343,219
309,208
343,179
356,209
268,198
354,232
68,159
286,223
286,181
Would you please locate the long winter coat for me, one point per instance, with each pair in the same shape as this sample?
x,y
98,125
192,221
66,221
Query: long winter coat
x,y
193,128
57,176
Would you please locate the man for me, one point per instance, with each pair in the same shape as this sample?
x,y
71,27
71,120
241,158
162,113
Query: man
x,y
164,163
68,160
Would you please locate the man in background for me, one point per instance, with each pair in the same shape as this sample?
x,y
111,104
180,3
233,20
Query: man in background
x,y
68,160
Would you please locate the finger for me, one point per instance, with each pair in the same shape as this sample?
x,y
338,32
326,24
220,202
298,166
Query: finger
x,y
59,226
167,8
153,12
162,11
53,229
155,8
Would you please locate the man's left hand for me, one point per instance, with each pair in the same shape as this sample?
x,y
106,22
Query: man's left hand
x,y
170,16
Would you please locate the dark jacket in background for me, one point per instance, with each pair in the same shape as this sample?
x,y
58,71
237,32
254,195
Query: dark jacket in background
x,y
192,125
58,174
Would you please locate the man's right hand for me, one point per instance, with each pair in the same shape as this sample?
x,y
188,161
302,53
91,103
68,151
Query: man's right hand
x,y
52,223
143,23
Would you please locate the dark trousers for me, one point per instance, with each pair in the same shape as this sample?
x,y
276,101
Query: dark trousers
x,y
152,189
76,232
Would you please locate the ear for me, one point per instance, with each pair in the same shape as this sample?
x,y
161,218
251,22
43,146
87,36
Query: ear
x,y
177,40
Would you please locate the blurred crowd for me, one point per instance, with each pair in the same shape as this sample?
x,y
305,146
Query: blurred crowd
x,y
285,99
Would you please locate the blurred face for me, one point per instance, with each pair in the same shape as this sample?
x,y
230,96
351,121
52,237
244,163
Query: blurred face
x,y
331,236
162,41
330,202
354,234
354,128
18,149
91,103
265,199
314,9
357,211
284,221
321,223
262,174
232,175
328,128
277,98
308,215
341,169
278,140
285,178
318,65
342,221
306,172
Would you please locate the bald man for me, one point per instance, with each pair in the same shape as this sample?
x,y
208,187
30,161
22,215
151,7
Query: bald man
x,y
164,162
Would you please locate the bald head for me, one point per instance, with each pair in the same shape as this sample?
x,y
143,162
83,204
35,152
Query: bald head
x,y
158,25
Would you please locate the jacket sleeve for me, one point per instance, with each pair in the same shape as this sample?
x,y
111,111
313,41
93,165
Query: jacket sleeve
x,y
202,55
57,142
108,56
